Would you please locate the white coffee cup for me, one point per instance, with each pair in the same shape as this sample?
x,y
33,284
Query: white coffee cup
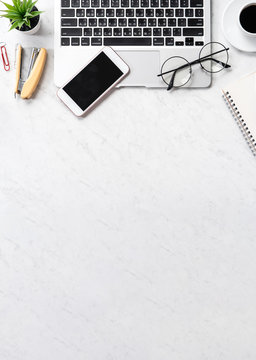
x,y
248,33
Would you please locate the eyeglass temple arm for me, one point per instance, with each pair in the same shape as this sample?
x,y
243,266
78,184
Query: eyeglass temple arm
x,y
170,86
193,62
217,61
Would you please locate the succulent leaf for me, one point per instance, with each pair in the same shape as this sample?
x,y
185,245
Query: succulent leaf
x,y
14,25
10,7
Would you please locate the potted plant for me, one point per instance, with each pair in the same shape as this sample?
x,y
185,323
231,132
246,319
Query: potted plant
x,y
23,15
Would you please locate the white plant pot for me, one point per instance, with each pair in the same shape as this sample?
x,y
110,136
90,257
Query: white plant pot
x,y
33,30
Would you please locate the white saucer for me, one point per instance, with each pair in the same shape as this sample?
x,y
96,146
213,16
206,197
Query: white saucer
x,y
231,28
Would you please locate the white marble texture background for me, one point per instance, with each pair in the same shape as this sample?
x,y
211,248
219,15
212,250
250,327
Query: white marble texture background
x,y
130,234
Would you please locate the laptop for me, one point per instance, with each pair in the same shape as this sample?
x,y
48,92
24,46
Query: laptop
x,y
145,33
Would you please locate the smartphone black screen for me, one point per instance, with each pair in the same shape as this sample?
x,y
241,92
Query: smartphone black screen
x,y
93,81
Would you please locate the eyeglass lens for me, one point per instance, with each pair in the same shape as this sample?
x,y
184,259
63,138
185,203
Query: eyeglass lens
x,y
215,62
179,77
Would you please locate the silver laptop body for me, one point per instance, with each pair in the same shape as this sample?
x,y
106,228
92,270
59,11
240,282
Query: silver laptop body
x,y
143,32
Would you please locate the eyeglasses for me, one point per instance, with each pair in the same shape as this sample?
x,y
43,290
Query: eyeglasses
x,y
177,71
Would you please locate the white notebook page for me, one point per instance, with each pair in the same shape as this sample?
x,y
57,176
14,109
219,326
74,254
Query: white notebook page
x,y
243,94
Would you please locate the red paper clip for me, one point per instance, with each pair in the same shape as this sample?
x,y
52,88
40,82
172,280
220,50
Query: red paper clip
x,y
4,56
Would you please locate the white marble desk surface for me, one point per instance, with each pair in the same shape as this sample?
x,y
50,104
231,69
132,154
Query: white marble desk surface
x,y
130,234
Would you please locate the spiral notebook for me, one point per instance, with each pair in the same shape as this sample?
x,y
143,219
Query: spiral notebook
x,y
240,97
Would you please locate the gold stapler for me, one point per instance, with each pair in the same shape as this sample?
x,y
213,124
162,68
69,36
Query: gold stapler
x,y
27,78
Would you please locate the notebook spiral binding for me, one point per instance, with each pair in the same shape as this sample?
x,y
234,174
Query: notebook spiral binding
x,y
240,122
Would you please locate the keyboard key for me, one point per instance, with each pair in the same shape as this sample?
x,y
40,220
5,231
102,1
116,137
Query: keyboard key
x,y
149,12
177,32
164,3
80,13
125,3
97,32
104,3
100,13
152,22
95,3
87,32
183,3
161,22
174,3
196,3
85,41
112,22
119,12
90,12
65,3
67,13
193,32
147,32
144,3
135,3
199,12
132,41
158,41
189,12
179,43
159,12
107,32
122,22
157,32
179,13
110,13
137,32
68,22
169,41
189,41
65,41
196,22
169,12
92,22
127,32
102,22
142,22
96,41
115,3
154,3
139,12
129,13
182,22
75,41
82,22
71,32
167,32
172,22
75,3
85,3
117,32
132,22
199,43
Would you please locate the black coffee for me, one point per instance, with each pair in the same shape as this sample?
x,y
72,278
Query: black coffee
x,y
248,18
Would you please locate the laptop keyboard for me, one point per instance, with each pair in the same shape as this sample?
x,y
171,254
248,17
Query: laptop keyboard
x,y
132,22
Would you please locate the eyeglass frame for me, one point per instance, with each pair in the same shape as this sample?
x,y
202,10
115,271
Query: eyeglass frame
x,y
195,62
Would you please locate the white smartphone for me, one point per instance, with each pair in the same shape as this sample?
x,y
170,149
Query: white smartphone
x,y
91,84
